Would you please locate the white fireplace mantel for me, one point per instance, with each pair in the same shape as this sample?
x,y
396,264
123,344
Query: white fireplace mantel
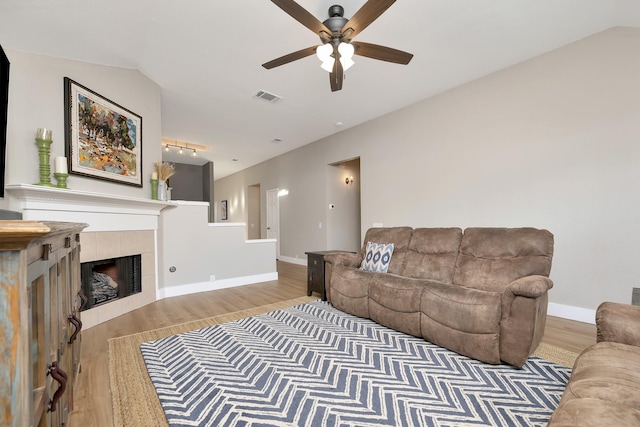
x,y
118,226
103,212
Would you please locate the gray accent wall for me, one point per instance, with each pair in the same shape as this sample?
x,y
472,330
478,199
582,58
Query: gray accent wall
x,y
553,142
187,183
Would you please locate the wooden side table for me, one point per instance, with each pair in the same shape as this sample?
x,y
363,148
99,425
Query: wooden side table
x,y
316,271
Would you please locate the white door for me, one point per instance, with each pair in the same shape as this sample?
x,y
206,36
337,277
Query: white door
x,y
273,218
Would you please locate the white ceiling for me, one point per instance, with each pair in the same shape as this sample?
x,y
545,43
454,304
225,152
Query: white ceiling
x,y
206,55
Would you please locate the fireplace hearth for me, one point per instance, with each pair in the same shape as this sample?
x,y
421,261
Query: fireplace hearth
x,y
107,280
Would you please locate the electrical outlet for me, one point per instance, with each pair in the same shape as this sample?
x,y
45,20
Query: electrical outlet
x,y
212,278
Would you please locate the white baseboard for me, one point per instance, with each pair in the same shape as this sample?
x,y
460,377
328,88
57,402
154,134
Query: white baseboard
x,y
572,313
193,288
292,260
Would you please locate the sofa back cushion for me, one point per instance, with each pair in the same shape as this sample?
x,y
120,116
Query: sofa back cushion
x,y
432,254
399,236
491,258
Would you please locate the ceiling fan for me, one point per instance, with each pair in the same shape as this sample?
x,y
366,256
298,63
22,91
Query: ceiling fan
x,y
336,34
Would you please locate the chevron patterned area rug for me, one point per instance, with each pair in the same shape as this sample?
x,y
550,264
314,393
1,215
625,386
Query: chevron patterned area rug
x,y
313,365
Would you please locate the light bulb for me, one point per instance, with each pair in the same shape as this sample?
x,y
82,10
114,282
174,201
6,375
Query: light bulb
x,y
328,64
346,63
180,150
346,53
166,148
324,52
346,50
194,154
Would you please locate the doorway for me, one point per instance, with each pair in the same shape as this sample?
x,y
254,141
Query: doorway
x,y
273,217
343,217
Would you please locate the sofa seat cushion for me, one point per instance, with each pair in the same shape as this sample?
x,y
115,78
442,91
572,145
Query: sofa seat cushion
x,y
394,302
350,290
463,320
607,371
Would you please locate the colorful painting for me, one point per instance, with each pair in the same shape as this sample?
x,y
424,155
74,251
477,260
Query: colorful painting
x,y
103,139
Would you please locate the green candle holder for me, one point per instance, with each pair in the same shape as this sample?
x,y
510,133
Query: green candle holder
x,y
154,189
44,151
62,179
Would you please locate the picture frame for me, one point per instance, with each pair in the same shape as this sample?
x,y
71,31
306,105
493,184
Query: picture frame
x,y
103,140
223,210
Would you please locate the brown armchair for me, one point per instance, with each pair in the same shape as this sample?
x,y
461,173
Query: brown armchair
x,y
604,388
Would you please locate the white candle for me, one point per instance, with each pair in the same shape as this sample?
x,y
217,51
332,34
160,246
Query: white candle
x,y
154,175
60,165
44,133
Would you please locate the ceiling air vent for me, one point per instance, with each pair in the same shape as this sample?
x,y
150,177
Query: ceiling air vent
x,y
269,97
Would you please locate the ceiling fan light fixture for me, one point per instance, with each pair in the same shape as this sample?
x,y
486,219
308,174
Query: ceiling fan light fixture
x,y
336,34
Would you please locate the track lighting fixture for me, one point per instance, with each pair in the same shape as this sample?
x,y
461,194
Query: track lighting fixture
x,y
181,146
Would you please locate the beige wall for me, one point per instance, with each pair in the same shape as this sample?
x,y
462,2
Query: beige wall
x,y
553,142
36,99
206,256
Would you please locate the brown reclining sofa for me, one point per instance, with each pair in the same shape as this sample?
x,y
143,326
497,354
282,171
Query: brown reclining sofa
x,y
481,293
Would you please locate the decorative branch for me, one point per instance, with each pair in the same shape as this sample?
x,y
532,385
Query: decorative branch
x,y
165,170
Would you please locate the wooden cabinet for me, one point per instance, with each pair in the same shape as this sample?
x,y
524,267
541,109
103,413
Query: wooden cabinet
x,y
40,304
316,272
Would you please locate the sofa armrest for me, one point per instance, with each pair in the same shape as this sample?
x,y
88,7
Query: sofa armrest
x,y
530,286
343,260
533,287
524,314
618,322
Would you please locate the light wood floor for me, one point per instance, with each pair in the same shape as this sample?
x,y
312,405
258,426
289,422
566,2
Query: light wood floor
x,y
92,406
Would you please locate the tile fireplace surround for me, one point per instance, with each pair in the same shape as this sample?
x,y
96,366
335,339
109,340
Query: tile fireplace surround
x,y
118,226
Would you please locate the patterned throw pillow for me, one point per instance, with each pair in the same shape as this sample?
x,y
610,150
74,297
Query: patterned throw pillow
x,y
377,257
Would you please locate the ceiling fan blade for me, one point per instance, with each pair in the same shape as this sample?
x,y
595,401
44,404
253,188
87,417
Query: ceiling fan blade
x,y
301,15
290,57
368,13
336,76
382,53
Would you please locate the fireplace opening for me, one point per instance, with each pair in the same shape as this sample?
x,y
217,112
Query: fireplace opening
x,y
107,280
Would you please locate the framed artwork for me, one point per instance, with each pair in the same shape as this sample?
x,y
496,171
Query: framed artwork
x,y
223,210
103,139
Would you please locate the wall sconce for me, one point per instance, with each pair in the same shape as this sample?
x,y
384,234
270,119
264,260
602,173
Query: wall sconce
x,y
348,180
